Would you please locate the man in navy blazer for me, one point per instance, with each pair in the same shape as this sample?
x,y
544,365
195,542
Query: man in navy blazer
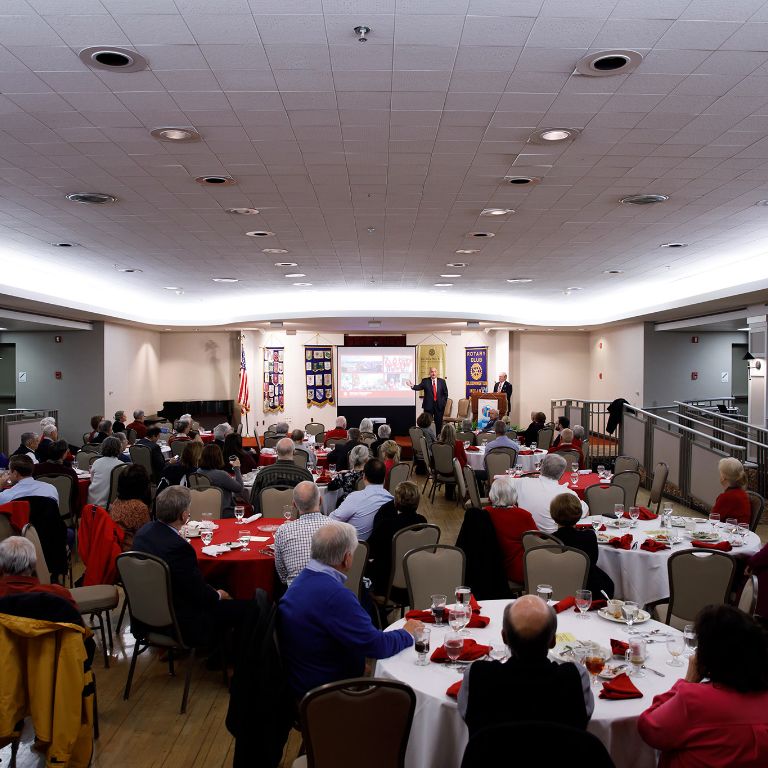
x,y
435,396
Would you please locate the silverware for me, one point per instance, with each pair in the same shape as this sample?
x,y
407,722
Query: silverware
x,y
655,671
604,594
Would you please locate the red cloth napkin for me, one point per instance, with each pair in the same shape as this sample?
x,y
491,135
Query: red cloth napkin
x,y
588,527
471,651
472,448
570,602
653,546
18,513
721,546
619,647
621,687
453,690
475,621
645,514
525,453
323,480
473,604
621,542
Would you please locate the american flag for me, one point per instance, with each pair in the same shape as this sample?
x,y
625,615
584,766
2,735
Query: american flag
x,y
243,395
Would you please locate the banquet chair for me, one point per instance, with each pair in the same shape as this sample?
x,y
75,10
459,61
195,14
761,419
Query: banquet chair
x,y
585,453
270,441
475,500
83,460
332,442
376,716
131,435
63,485
114,477
140,455
461,486
484,437
354,582
147,583
301,457
415,434
86,435
427,457
571,457
6,529
497,461
748,598
466,437
314,428
629,480
447,410
398,474
660,474
533,539
462,412
757,503
564,568
178,446
624,463
432,570
203,500
195,480
320,438
564,745
544,438
272,501
442,472
91,448
601,498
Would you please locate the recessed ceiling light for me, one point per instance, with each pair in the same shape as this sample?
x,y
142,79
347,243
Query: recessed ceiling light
x,y
171,288
302,285
549,135
225,279
613,271
738,329
371,230
522,180
220,181
91,198
481,234
274,250
466,251
112,58
128,270
673,245
261,233
457,264
550,329
285,264
495,211
644,199
607,63
175,134
520,280
243,211
64,245
573,288
443,285
296,274
450,275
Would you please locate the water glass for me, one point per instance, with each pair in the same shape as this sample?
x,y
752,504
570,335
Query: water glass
x,y
575,467
287,511
743,531
245,539
458,617
239,514
634,514
675,646
618,510
601,470
463,595
629,611
421,644
332,469
583,602
596,523
533,446
499,651
575,478
454,642
207,518
544,591
636,656
206,536
666,517
519,468
438,608
714,520
689,636
594,660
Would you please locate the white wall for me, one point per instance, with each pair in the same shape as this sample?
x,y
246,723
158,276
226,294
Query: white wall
x,y
616,364
131,370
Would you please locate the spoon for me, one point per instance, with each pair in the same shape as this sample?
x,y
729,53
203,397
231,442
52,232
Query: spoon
x,y
655,671
604,594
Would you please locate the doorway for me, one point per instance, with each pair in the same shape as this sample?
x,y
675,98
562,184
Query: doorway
x,y
739,377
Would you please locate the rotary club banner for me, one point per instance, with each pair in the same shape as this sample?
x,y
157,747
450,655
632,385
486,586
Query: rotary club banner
x,y
477,369
273,379
318,368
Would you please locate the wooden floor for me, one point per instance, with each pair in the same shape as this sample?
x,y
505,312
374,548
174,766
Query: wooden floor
x,y
148,732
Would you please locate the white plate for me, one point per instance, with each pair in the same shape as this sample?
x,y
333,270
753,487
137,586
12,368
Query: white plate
x,y
619,523
704,536
642,616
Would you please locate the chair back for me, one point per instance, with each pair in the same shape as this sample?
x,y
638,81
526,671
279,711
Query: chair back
x,y
91,448
571,457
270,441
544,438
406,539
43,574
601,498
6,529
564,568
461,486
442,456
131,435
354,582
624,463
629,480
360,484
86,435
320,438
660,474
431,570
748,598
374,712
466,437
533,539
426,453
484,437
197,480
398,474
146,580
498,461
757,503
448,408
314,428
205,500
178,446
83,459
301,458
272,501
114,476
332,442
93,458
140,455
697,579
63,485
462,410
415,434
472,490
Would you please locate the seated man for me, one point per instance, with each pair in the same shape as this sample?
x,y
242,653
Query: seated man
x,y
384,433
118,425
55,465
566,444
103,431
339,432
501,440
297,435
339,456
325,634
49,435
282,474
528,686
563,422
138,425
293,541
28,445
360,507
536,493
156,458
493,417
23,485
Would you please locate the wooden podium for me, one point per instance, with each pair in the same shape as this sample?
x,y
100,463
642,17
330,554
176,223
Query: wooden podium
x,y
499,397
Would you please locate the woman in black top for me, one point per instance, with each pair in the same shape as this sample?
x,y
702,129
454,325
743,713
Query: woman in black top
x,y
190,459
531,434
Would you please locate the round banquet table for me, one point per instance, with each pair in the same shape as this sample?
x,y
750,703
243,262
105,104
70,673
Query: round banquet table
x,y
527,458
83,484
239,573
642,576
584,482
327,498
439,735
265,459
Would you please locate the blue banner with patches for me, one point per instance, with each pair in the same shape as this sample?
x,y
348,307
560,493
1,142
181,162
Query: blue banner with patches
x,y
476,361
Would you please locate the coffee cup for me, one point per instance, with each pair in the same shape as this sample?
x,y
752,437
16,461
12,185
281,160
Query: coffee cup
x,y
614,608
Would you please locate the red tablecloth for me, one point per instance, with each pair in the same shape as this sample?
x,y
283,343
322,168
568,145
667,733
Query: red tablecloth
x,y
206,438
240,573
584,482
83,484
265,459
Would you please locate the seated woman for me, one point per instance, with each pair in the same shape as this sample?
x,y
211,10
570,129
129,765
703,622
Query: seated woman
x,y
425,423
130,510
566,511
233,446
717,715
733,501
180,431
347,480
188,463
531,434
390,453
101,471
213,467
448,436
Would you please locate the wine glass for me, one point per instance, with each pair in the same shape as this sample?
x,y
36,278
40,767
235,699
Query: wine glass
x,y
456,618
583,602
629,612
454,642
463,595
287,511
245,539
714,520
421,644
575,478
743,531
519,468
601,470
544,591
596,523
206,536
239,515
575,467
595,660
438,608
634,514
618,511
675,646
689,636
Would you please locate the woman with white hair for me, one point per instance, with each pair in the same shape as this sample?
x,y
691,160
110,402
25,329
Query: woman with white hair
x,y
101,471
733,501
366,425
347,480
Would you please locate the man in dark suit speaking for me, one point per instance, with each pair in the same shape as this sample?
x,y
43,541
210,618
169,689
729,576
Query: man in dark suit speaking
x,y
502,385
435,396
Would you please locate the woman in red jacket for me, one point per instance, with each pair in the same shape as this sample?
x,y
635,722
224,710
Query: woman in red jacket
x,y
733,501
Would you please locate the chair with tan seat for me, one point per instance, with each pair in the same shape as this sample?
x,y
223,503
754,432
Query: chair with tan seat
x,y
140,455
431,570
497,462
544,438
466,437
114,477
415,434
602,498
63,485
205,500
461,486
332,442
748,597
473,492
314,428
354,582
757,504
484,437
398,474
533,539
301,458
270,441
197,481
272,501
427,457
565,569
178,446
624,463
571,457
6,529
447,410
462,412
629,480
83,460
442,473
660,474
320,439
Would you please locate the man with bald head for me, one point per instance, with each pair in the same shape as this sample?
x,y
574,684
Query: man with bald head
x,y
282,474
528,686
567,443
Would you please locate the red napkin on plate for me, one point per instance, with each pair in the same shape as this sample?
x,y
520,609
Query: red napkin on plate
x,y
472,448
18,513
323,480
453,690
621,687
570,602
721,546
650,545
619,647
645,514
471,651
475,621
621,542
525,453
588,527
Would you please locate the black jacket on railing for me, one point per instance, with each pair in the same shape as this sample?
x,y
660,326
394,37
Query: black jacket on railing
x,y
615,411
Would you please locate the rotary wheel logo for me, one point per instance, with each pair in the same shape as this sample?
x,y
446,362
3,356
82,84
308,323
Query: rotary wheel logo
x,y
431,352
476,371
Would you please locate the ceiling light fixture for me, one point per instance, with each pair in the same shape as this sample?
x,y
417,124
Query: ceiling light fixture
x,y
520,280
171,288
243,211
455,275
443,285
286,264
371,230
457,264
613,271
225,279
64,245
573,288
473,323
481,234
276,323
466,251
549,135
216,181
743,329
495,211
607,63
275,250
91,198
175,134
128,270
762,202
114,59
673,245
374,323
296,274
302,285
362,33
644,199
261,233
522,180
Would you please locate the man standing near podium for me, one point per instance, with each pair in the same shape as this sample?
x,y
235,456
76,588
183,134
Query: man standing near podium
x,y
435,396
502,385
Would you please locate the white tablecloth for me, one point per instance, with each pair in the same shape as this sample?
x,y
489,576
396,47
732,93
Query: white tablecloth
x,y
439,735
476,459
642,576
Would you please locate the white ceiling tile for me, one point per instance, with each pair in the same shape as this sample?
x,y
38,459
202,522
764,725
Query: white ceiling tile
x,y
525,102
496,31
155,29
673,62
277,29
315,57
241,100
724,10
485,82
363,81
442,29
698,35
245,80
357,58
475,58
472,101
557,33
420,81
211,28
236,56
549,59
424,57
84,30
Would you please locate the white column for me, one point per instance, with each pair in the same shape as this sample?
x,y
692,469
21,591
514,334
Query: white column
x,y
501,355
757,403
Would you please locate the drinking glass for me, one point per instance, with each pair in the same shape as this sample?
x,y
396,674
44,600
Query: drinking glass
x,y
666,517
618,511
207,518
463,594
675,646
499,651
583,602
533,447
575,467
575,478
206,536
331,469
629,612
456,617
636,656
714,520
743,531
595,661
691,642
454,642
600,470
287,511
421,644
239,514
634,514
537,465
544,591
245,539
519,468
438,608
596,523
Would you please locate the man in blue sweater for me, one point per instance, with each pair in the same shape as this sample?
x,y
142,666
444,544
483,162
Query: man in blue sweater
x,y
325,634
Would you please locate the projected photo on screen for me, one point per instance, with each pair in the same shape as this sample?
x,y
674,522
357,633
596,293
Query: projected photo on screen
x,y
375,376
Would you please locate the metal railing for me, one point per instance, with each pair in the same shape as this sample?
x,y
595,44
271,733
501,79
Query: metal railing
x,y
711,402
13,424
593,416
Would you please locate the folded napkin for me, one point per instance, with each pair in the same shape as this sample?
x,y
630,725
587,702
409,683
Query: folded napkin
x,y
472,448
621,687
471,651
585,471
475,621
588,527
525,453
473,604
721,546
252,518
621,542
619,647
453,690
650,545
323,480
645,514
214,550
200,524
570,602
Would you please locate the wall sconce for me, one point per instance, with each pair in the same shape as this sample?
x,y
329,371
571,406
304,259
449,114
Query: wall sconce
x,y
754,365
